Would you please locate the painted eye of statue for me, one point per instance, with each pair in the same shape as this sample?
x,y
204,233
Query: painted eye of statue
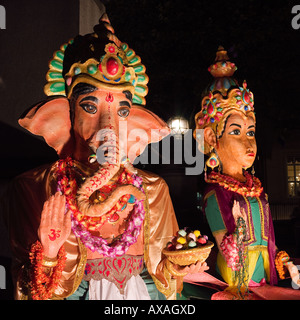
x,y
251,133
89,108
235,132
123,112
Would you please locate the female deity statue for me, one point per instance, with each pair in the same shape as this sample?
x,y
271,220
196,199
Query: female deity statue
x,y
236,206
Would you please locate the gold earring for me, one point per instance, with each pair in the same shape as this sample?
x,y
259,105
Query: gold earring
x,y
253,171
213,161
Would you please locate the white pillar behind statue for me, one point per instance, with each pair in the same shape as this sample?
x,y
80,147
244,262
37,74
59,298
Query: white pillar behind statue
x,y
90,11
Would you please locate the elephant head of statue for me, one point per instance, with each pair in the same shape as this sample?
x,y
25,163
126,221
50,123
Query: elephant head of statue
x,y
96,110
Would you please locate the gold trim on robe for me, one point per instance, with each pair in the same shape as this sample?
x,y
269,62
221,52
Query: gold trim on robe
x,y
23,203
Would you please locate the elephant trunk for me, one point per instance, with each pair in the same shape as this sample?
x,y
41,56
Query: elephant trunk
x,y
109,154
96,210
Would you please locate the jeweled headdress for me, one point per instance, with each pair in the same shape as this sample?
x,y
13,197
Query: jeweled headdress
x,y
99,59
223,96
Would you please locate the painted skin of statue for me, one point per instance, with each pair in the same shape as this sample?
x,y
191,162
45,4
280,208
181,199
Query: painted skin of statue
x,y
233,196
105,212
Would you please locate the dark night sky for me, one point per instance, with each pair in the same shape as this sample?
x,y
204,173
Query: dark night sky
x,y
177,41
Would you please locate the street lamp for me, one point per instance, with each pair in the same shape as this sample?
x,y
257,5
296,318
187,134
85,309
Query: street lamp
x,y
178,125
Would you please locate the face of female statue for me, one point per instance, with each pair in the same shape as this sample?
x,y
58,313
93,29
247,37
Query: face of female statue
x,y
237,146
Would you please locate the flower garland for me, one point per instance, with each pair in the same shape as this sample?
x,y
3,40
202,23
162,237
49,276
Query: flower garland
x,y
230,252
42,285
242,274
233,248
251,188
236,256
68,186
281,258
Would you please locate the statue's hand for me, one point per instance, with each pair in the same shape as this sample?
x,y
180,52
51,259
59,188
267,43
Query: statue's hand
x,y
294,273
196,268
55,225
237,212
193,268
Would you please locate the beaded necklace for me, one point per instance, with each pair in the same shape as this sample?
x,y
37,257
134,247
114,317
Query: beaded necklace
x,y
251,188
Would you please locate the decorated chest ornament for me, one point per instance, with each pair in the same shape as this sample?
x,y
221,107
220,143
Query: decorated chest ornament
x,y
101,61
224,95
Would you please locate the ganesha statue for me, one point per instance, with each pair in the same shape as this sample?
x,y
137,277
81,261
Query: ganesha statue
x,y
90,225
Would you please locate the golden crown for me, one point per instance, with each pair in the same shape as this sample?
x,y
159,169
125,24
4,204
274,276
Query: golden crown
x,y
119,66
225,95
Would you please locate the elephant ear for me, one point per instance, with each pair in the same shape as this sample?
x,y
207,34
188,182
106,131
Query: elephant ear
x,y
51,120
143,127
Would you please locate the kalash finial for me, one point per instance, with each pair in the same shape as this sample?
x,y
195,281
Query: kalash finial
x,y
221,54
222,66
222,70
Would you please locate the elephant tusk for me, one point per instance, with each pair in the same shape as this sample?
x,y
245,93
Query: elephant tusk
x,y
97,210
130,168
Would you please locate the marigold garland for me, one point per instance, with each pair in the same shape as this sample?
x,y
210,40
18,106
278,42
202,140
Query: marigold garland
x,y
281,258
42,285
68,186
251,188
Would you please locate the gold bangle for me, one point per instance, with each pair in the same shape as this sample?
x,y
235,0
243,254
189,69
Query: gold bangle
x,y
48,262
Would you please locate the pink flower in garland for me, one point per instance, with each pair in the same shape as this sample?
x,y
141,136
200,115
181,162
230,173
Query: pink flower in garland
x,y
119,250
138,221
230,252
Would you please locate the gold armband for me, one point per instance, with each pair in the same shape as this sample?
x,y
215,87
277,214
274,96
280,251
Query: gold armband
x,y
49,262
